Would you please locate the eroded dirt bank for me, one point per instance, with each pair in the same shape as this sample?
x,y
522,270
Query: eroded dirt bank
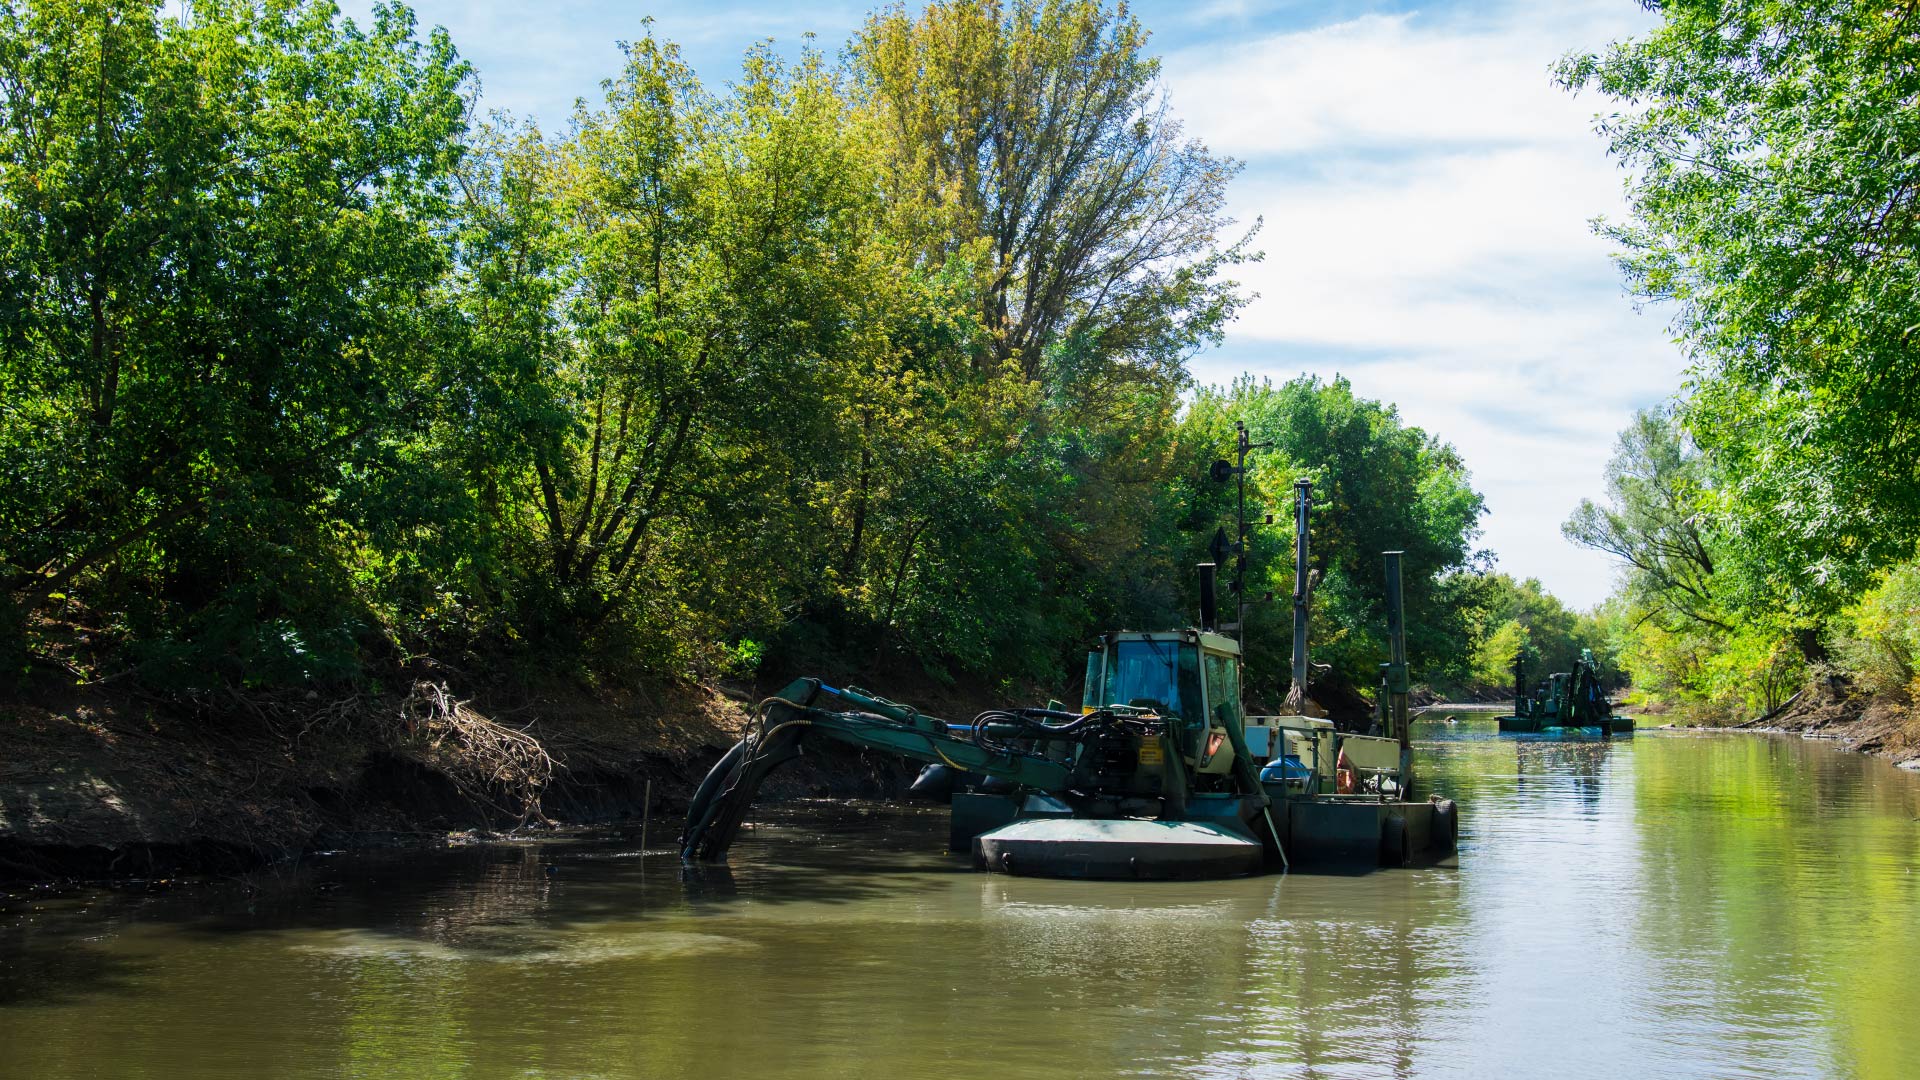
x,y
101,783
1881,724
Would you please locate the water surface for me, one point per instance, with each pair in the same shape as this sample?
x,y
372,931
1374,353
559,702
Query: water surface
x,y
1665,905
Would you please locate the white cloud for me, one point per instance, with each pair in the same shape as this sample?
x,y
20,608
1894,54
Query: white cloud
x,y
1426,191
1370,256
1380,80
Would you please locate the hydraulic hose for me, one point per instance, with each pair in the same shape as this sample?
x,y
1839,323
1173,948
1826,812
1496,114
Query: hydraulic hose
x,y
706,798
1028,724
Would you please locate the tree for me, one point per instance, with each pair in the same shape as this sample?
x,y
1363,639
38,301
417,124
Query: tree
x,y
1775,195
700,285
217,247
1033,179
1519,617
1701,628
1499,651
1030,141
305,376
1379,485
1659,495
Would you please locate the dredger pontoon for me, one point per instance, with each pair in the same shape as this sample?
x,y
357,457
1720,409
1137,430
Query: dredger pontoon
x,y
1159,775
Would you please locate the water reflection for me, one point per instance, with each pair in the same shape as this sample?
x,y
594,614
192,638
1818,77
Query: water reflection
x,y
1657,906
1562,763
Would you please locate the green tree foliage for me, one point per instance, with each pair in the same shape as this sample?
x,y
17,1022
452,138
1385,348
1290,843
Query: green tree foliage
x,y
1773,181
306,371
1378,485
1692,636
1773,196
661,272
1030,167
1881,633
1658,495
1521,619
1503,651
218,255
1030,139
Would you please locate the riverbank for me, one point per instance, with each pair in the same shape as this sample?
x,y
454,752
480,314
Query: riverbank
x,y
103,783
106,783
1834,709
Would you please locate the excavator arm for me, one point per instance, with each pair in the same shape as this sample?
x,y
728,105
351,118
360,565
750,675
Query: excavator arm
x,y
1033,748
1586,701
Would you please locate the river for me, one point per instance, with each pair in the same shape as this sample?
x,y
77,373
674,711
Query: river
x,y
1661,905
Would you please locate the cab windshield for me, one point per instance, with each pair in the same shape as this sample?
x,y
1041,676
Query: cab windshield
x,y
1157,675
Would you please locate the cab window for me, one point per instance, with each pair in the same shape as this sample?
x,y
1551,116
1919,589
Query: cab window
x,y
1155,675
1096,668
1223,688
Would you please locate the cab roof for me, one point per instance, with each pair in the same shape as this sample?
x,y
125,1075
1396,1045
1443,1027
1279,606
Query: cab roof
x,y
1212,641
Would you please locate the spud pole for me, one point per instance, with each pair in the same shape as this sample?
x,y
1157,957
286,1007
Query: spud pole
x,y
1398,686
1302,499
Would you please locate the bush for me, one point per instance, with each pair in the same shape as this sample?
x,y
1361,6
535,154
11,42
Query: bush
x,y
1493,656
1712,677
1880,635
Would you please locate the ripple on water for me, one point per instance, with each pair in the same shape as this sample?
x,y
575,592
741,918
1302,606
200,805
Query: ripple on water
x,y
519,945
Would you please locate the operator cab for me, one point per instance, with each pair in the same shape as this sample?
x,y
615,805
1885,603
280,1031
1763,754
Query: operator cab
x,y
1188,678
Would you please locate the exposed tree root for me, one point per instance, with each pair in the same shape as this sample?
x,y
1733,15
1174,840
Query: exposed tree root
x,y
494,766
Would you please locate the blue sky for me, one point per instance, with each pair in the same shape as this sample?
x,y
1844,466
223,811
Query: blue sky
x,y
1425,191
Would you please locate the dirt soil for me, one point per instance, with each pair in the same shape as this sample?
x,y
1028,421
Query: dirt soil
x,y
1887,725
111,783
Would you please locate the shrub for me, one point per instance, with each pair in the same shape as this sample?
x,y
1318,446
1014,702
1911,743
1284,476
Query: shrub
x,y
1881,633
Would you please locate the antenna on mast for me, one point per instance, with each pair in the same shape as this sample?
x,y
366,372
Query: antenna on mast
x,y
1222,471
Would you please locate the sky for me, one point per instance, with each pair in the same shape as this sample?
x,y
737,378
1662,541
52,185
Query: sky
x,y
1424,189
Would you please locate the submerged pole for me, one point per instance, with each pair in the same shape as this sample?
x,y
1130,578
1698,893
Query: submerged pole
x,y
1398,685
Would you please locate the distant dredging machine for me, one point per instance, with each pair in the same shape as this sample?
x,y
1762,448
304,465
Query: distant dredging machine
x,y
1565,701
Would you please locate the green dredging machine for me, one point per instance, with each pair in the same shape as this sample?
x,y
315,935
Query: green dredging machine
x,y
1565,701
1159,774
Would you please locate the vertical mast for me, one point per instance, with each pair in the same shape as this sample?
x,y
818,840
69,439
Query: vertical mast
x,y
1240,540
1237,546
1302,500
1520,681
1397,683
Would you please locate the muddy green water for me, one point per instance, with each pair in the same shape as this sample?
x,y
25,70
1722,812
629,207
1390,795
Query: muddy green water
x,y
1713,906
